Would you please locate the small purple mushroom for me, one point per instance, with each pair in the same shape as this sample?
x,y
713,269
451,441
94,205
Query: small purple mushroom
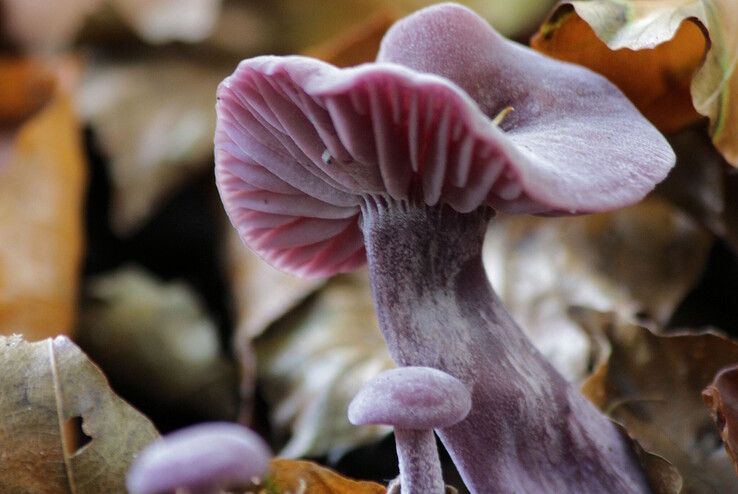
x,y
202,459
413,400
402,163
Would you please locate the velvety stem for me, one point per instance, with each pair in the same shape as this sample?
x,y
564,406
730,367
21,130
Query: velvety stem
x,y
420,468
529,430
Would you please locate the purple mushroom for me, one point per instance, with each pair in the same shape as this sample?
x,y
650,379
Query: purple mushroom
x,y
413,400
402,163
202,459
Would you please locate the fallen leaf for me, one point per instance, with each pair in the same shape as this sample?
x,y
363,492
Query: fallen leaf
x,y
160,21
651,384
313,362
243,29
679,48
296,477
42,186
359,44
44,385
45,25
52,25
511,19
155,339
721,397
703,185
302,24
261,294
26,86
639,261
156,138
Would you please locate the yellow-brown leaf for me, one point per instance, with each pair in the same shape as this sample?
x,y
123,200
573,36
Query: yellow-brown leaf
x,y
41,195
295,476
661,49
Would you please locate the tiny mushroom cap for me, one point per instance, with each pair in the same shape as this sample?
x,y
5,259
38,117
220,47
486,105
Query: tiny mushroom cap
x,y
452,113
201,457
411,398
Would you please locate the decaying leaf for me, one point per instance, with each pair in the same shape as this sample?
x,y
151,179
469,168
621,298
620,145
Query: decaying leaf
x,y
44,385
44,25
663,477
652,383
262,294
155,120
26,86
313,362
155,339
301,24
509,18
159,21
665,42
49,25
721,397
297,477
243,28
703,185
639,261
359,44
41,193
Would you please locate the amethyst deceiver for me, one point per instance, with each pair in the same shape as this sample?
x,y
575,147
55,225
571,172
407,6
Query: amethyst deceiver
x,y
322,168
413,400
202,459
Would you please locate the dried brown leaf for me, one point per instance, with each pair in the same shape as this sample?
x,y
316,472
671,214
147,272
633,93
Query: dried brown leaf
x,y
703,185
652,383
639,261
721,397
155,120
155,339
295,476
679,48
313,362
44,385
359,44
42,183
160,21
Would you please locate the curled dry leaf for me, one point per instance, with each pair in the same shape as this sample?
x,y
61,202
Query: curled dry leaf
x,y
155,339
45,25
359,44
49,25
44,385
681,49
301,24
159,21
42,182
721,397
297,477
703,185
638,261
155,137
511,19
652,383
313,362
261,293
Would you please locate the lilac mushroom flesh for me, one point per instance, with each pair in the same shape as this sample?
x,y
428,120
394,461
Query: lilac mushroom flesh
x,y
202,459
400,163
414,400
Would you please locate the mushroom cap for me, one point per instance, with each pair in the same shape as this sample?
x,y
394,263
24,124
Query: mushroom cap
x,y
411,398
215,454
300,145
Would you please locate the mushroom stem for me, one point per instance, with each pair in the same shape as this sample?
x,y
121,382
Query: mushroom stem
x,y
529,430
420,468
